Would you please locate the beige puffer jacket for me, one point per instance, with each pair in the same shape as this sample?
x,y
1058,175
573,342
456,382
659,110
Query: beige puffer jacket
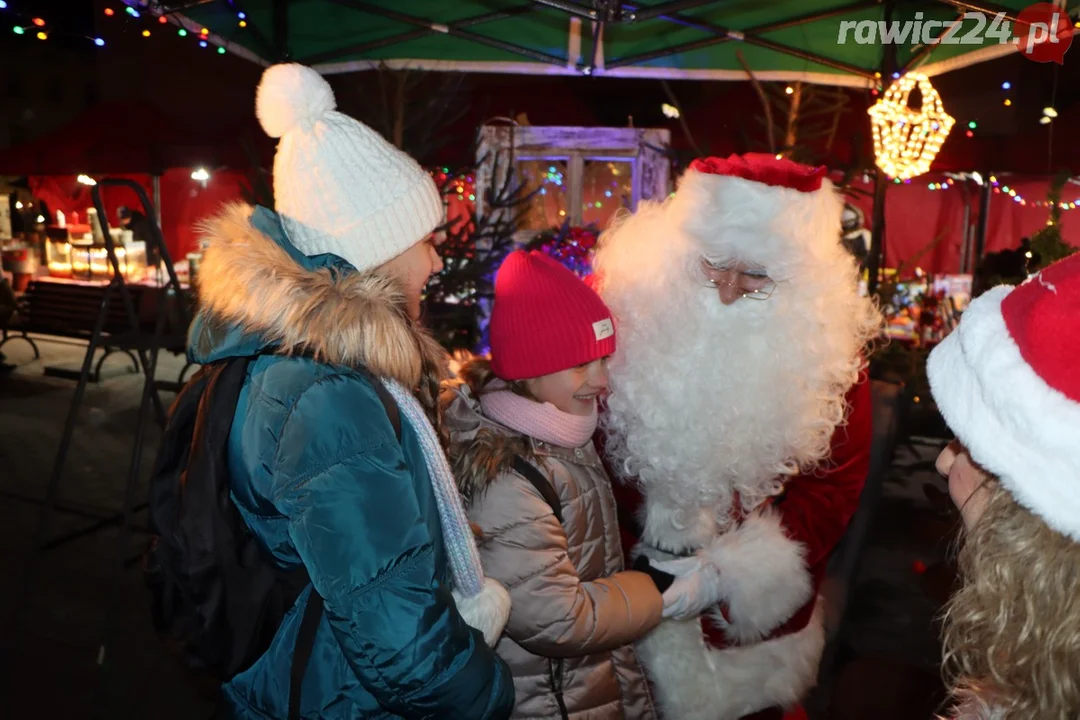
x,y
575,610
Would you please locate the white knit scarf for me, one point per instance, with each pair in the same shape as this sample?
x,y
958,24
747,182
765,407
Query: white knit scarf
x,y
457,534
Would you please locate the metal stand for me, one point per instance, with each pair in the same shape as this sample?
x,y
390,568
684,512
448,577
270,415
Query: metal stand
x,y
172,315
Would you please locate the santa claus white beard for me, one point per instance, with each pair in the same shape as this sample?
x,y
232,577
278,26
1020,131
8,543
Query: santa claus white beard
x,y
709,401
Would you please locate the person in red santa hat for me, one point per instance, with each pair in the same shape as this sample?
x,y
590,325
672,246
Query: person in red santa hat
x,y
739,421
1006,382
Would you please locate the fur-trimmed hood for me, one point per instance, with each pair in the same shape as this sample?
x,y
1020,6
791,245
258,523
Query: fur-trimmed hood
x,y
258,292
479,449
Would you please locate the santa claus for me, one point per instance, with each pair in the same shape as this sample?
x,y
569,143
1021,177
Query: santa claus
x,y
739,422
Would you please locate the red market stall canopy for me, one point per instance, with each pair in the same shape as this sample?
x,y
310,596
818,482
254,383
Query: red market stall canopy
x,y
837,42
184,201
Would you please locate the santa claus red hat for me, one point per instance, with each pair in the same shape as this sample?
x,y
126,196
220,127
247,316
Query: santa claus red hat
x,y
758,208
1006,381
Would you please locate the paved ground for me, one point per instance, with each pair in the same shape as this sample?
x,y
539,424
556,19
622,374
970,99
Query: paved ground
x,y
887,670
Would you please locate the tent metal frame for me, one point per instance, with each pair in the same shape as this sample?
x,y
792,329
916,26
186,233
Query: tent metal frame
x,y
601,13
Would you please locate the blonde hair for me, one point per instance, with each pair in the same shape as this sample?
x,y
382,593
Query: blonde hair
x,y
1012,632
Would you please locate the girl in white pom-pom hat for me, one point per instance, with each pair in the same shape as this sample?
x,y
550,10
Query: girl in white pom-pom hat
x,y
324,295
1008,383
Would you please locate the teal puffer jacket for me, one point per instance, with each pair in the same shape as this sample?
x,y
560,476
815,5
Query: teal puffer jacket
x,y
321,479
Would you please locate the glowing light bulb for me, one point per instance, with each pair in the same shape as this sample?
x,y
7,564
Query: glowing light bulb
x,y
182,32
789,90
243,23
18,30
42,36
221,51
146,33
202,43
131,11
1050,112
38,22
110,12
1008,102
99,42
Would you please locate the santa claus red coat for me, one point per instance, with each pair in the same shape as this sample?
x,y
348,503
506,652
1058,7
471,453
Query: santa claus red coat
x,y
814,513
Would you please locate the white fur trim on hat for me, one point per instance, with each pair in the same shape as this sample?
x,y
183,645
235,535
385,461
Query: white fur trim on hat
x,y
487,611
1012,423
339,186
778,228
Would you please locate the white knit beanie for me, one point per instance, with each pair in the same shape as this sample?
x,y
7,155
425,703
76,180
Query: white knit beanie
x,y
339,187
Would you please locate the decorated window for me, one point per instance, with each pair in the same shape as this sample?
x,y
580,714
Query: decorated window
x,y
573,176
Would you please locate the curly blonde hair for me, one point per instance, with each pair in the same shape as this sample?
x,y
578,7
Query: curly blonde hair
x,y
1012,632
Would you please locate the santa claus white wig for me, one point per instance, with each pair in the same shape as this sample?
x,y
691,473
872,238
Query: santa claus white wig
x,y
709,401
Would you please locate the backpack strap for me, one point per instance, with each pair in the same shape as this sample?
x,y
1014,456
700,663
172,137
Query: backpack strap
x,y
539,481
305,642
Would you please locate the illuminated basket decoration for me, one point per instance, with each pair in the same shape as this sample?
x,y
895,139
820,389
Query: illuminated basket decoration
x,y
906,141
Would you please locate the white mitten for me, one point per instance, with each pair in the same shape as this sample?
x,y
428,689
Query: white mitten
x,y
487,611
696,587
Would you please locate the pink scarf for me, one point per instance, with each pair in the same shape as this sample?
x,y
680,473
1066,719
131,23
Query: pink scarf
x,y
542,421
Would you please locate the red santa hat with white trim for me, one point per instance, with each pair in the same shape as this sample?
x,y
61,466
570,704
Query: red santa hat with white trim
x,y
759,208
1007,382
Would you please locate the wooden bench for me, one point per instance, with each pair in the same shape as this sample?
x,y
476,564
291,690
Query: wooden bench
x,y
69,309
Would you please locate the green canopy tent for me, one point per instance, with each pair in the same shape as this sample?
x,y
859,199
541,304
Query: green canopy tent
x,y
788,40
834,42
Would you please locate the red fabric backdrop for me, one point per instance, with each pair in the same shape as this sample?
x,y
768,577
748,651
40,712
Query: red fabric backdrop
x,y
915,215
184,202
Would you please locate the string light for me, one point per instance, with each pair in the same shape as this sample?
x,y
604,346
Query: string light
x,y
789,90
18,30
1006,85
243,23
1050,112
202,43
110,12
1008,102
182,32
221,51
162,19
99,42
131,11
906,141
39,22
42,36
146,33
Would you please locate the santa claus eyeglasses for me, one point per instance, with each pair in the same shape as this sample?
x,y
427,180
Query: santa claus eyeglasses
x,y
751,283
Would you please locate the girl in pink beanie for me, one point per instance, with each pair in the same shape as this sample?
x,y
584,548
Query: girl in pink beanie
x,y
520,427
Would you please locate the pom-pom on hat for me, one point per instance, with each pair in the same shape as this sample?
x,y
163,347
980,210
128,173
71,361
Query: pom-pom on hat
x,y
758,208
545,319
1007,384
340,187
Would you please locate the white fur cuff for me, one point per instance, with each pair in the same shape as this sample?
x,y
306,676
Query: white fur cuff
x,y
487,611
763,577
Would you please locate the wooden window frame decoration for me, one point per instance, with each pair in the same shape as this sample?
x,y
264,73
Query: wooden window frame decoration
x,y
501,147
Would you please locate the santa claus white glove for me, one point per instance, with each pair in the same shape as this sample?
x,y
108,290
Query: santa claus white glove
x,y
696,587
